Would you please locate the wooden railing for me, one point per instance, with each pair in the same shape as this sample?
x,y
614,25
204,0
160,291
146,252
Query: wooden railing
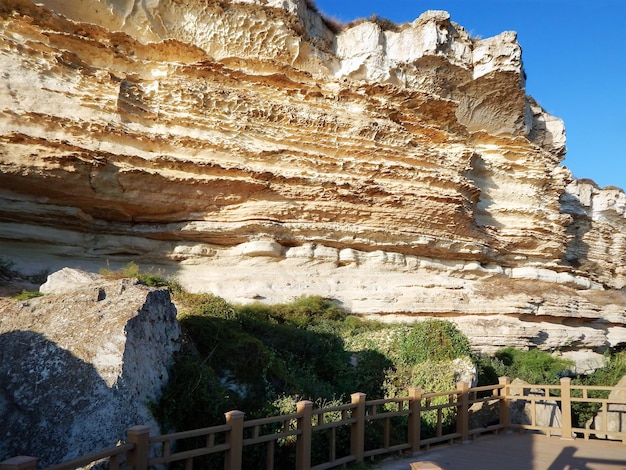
x,y
374,427
564,395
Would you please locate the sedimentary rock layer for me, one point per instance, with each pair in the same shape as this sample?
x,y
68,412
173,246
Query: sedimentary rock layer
x,y
258,152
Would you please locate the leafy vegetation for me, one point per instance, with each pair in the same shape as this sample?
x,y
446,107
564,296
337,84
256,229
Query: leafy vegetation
x,y
262,359
432,340
533,366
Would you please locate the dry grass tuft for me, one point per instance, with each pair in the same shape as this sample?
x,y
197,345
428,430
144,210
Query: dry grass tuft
x,y
502,286
605,297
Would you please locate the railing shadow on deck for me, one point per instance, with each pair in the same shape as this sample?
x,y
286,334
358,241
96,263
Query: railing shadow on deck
x,y
372,427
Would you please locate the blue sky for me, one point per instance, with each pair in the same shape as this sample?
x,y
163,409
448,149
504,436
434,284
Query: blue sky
x,y
574,53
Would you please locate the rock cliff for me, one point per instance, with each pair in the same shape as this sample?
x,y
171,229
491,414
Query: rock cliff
x,y
80,365
257,151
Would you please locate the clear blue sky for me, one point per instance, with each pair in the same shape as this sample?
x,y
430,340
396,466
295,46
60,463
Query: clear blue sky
x,y
574,53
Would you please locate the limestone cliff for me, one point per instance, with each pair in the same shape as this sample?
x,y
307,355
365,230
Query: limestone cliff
x,y
259,153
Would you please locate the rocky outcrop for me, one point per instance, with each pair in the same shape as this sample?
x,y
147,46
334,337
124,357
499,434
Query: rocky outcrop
x,y
78,368
597,231
257,153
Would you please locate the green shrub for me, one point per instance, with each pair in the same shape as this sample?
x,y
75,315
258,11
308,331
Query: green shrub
x,y
433,340
303,311
533,366
430,376
260,352
194,396
370,372
205,304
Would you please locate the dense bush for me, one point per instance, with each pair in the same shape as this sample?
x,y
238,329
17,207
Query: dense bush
x,y
533,366
264,352
433,340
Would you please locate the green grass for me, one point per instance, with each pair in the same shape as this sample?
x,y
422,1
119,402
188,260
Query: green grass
x,y
27,294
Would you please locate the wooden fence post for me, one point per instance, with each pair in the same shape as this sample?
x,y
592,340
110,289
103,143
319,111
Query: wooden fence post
x,y
357,435
305,426
21,462
415,418
462,417
566,408
140,436
505,402
234,438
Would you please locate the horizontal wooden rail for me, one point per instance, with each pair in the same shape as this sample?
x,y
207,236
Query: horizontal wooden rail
x,y
112,453
397,423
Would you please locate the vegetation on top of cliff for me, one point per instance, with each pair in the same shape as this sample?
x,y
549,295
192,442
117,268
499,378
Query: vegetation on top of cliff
x,y
384,23
336,26
150,278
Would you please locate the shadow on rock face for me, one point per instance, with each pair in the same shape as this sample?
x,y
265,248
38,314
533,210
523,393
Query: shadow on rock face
x,y
43,389
55,406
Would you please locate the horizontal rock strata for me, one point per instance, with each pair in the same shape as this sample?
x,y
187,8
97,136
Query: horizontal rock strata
x,y
256,152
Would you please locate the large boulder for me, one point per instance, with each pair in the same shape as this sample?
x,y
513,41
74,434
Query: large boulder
x,y
80,367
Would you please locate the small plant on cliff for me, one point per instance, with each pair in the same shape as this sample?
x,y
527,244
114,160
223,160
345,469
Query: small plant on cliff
x,y
130,271
27,294
384,23
149,278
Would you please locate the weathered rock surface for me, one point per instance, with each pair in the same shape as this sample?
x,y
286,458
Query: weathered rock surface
x,y
78,368
249,149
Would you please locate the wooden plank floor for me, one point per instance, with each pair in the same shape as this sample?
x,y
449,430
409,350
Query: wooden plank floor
x,y
520,452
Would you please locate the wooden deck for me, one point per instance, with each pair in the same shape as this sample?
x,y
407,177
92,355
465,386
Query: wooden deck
x,y
519,452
